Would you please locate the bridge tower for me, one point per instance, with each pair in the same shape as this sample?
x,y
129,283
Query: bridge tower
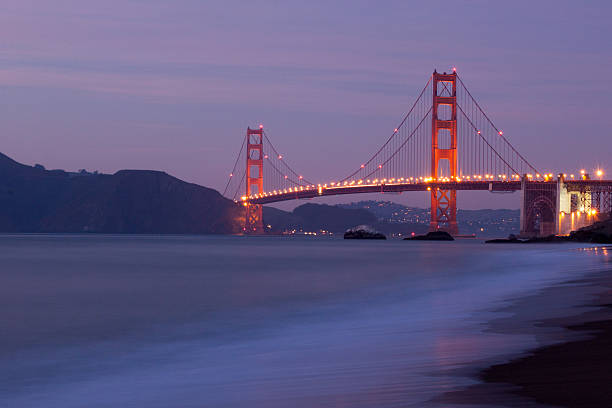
x,y
254,180
444,148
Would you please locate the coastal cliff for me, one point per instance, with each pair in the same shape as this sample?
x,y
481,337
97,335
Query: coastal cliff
x,y
33,199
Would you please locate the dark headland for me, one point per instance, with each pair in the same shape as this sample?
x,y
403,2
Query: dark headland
x,y
33,199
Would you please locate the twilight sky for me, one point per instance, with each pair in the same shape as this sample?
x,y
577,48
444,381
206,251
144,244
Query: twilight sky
x,y
172,85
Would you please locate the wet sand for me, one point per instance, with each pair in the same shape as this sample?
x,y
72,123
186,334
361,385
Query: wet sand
x,y
573,374
575,371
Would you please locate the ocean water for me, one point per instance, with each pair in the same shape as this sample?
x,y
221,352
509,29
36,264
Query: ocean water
x,y
185,321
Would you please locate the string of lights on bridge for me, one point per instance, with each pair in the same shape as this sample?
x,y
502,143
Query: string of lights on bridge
x,y
486,178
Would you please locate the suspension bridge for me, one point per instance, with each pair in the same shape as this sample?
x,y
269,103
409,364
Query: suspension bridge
x,y
445,143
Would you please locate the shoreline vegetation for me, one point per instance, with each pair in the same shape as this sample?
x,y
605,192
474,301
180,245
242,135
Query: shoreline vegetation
x,y
574,373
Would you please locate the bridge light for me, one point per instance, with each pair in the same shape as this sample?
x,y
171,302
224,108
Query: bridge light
x,y
301,177
231,174
265,156
478,132
501,133
362,166
380,166
395,131
582,171
280,156
599,173
261,126
286,177
454,69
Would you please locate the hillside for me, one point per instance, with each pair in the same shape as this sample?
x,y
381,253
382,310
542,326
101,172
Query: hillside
x,y
485,222
317,217
33,199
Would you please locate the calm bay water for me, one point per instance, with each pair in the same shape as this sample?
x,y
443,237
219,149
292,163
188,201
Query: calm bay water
x,y
175,321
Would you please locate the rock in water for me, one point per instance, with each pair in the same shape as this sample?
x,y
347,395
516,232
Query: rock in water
x,y
512,239
432,236
363,232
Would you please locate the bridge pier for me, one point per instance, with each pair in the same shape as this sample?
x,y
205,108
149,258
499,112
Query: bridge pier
x,y
254,180
539,202
560,207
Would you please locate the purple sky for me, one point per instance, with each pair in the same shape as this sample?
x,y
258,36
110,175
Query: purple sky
x,y
172,85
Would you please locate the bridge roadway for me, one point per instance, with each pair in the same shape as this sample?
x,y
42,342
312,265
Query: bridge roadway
x,y
312,192
481,185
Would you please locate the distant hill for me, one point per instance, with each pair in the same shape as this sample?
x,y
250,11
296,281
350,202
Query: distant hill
x,y
334,218
485,222
317,217
388,217
33,199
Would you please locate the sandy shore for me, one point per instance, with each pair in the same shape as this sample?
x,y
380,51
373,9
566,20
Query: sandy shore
x,y
574,369
573,374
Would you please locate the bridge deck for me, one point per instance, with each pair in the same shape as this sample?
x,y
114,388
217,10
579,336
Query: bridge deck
x,y
304,193
489,185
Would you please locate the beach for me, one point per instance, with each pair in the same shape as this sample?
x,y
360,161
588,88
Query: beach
x,y
576,370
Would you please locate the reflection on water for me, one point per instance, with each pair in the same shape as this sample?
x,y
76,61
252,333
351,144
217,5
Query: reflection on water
x,y
109,321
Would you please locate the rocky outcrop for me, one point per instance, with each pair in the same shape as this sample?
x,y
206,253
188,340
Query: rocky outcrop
x,y
598,233
363,232
432,236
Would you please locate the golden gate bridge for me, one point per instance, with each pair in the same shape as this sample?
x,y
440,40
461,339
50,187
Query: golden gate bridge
x,y
445,143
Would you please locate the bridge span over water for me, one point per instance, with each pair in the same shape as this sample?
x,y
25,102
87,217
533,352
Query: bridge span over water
x,y
445,143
